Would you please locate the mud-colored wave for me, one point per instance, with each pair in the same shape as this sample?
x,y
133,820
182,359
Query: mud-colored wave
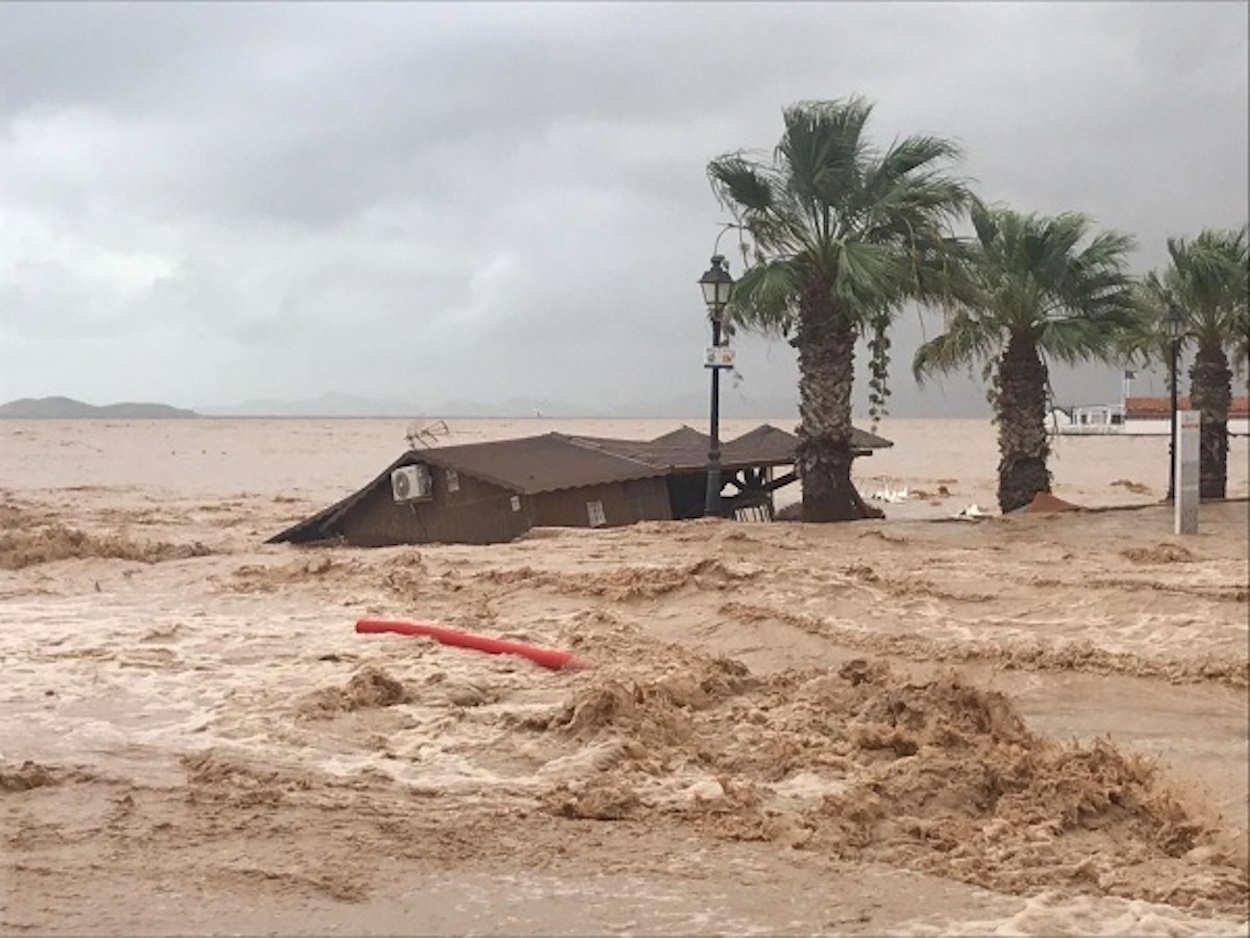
x,y
369,687
937,776
626,583
27,540
1081,656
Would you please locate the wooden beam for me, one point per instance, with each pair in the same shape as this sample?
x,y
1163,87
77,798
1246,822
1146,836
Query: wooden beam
x,y
781,481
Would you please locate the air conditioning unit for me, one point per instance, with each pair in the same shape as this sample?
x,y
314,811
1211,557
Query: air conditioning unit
x,y
412,483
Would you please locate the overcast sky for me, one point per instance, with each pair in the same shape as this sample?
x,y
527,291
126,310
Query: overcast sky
x,y
204,204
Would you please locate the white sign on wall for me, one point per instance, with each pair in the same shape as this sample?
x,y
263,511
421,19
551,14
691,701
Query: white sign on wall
x,y
1188,445
594,512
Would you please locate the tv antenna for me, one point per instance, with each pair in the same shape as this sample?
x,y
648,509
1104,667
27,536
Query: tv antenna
x,y
422,434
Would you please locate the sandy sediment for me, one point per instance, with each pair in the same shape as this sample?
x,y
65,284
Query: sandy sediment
x,y
1031,725
30,537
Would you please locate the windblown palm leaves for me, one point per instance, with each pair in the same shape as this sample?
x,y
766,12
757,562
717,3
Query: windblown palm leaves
x,y
842,234
1207,279
1036,288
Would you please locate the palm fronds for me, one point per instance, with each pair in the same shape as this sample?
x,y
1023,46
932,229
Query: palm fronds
x,y
870,226
1029,275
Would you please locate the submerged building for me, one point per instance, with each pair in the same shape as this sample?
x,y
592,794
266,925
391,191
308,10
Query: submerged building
x,y
484,493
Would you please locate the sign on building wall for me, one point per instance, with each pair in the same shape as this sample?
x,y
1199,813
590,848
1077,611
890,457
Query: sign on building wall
x,y
1188,425
594,511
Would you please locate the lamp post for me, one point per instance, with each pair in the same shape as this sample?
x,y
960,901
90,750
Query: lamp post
x,y
717,286
1174,328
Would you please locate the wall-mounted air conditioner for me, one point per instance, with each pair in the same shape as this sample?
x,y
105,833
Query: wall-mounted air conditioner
x,y
411,483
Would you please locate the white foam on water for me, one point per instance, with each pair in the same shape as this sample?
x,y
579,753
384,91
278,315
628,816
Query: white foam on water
x,y
1097,917
808,786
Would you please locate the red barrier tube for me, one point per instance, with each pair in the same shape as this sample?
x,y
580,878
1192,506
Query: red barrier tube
x,y
547,657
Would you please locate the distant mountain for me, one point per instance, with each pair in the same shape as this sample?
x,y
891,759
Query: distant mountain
x,y
345,405
64,408
514,407
733,405
328,405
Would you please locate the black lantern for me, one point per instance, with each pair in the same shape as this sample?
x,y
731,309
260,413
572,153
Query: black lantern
x,y
1173,322
717,286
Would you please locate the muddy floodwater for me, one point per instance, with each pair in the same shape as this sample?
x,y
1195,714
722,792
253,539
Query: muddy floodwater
x,y
925,725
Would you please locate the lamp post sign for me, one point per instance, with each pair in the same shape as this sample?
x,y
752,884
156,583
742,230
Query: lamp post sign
x,y
1186,469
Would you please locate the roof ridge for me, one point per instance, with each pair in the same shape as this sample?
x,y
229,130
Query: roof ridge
x,y
586,444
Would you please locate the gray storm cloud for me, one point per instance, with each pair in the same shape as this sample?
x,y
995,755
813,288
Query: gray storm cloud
x,y
208,203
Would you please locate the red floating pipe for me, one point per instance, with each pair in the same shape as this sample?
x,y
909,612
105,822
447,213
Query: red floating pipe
x,y
547,657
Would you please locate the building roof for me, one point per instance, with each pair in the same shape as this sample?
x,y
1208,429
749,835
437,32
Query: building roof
x,y
527,466
685,449
535,464
767,438
682,436
665,453
1160,408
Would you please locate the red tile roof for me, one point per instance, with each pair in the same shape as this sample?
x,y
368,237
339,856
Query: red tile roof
x,y
1159,408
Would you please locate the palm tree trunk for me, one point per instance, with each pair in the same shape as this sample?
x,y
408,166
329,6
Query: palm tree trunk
x,y
826,376
1211,392
1021,412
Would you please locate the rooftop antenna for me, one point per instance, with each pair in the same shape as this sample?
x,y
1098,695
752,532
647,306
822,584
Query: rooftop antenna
x,y
426,435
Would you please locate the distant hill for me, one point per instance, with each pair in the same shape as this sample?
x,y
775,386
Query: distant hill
x,y
328,405
64,408
733,404
514,407
345,405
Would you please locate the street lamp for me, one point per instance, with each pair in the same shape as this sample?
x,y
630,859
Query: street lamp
x,y
717,287
1174,328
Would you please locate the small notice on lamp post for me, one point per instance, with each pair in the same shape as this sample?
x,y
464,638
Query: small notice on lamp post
x,y
718,356
1188,426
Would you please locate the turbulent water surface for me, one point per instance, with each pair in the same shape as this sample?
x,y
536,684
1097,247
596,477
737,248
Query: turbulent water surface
x,y
1025,725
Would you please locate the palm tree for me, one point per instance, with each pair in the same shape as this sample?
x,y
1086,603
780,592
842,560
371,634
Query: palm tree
x,y
842,234
1207,279
1034,294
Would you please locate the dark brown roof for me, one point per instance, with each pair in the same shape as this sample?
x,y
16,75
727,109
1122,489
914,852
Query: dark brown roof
x,y
862,439
681,449
686,448
767,439
534,464
682,436
527,466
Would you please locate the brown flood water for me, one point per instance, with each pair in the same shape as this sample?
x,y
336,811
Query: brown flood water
x,y
919,726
